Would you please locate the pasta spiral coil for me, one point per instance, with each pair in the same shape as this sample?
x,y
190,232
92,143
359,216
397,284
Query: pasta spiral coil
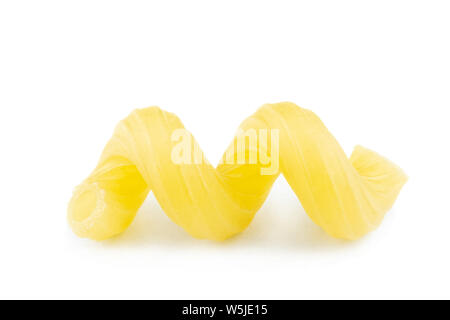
x,y
346,197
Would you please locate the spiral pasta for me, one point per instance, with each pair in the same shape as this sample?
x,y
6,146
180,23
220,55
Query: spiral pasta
x,y
346,197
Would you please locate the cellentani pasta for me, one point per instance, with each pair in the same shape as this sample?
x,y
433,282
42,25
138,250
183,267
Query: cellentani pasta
x,y
151,151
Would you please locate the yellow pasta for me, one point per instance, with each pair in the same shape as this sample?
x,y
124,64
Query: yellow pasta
x,y
347,197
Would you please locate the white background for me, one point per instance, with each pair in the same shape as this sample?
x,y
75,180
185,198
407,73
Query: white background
x,y
376,72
